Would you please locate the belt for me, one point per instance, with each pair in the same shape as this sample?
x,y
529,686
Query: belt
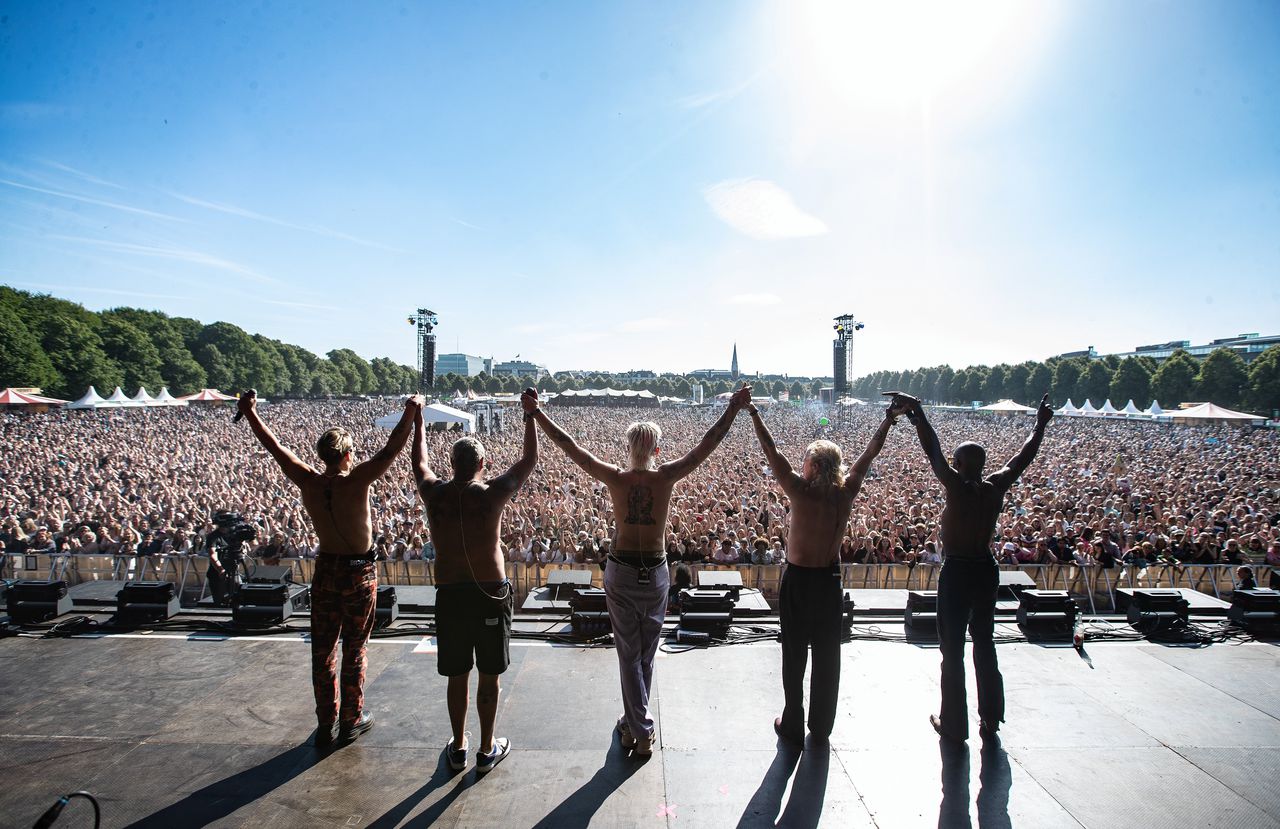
x,y
640,562
350,561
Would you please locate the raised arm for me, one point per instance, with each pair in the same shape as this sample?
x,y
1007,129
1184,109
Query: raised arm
x,y
377,466
859,471
422,473
1019,462
294,469
523,468
682,466
928,438
787,477
593,466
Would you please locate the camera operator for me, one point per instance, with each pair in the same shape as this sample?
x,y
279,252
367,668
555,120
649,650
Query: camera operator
x,y
344,589
225,545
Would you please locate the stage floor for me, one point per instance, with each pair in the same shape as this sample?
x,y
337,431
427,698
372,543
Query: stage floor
x,y
172,732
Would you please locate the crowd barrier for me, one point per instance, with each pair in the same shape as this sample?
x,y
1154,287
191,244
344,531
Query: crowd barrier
x,y
1094,586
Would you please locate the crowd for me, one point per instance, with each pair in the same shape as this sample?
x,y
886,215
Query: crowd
x,y
1105,493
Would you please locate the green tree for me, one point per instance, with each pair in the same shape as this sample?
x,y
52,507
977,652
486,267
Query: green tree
x,y
356,373
1066,382
1015,383
942,386
1263,388
237,351
1175,381
1095,384
327,379
133,351
993,386
386,376
216,369
1131,381
178,369
268,369
974,384
796,391
1039,383
1222,379
493,385
75,350
22,358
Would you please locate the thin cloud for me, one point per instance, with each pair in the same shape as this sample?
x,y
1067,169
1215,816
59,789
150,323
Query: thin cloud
x,y
63,287
244,213
81,174
761,209
194,257
89,200
291,304
644,324
465,224
755,299
701,99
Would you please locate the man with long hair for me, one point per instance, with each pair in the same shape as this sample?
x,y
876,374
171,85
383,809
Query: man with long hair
x,y
970,577
811,600
345,587
636,576
474,599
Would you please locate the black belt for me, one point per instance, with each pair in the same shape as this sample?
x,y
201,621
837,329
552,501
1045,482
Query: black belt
x,y
350,561
640,562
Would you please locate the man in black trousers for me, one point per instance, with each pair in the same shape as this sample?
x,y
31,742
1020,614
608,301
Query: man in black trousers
x,y
970,576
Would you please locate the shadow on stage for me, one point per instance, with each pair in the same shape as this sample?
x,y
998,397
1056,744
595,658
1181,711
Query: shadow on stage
x,y
576,811
218,800
995,779
443,774
808,790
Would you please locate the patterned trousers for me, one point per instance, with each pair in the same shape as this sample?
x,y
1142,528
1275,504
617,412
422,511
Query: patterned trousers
x,y
343,606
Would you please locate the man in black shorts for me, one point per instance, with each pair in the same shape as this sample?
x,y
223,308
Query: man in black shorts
x,y
473,597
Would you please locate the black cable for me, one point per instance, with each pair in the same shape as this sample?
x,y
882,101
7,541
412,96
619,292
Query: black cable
x,y
51,814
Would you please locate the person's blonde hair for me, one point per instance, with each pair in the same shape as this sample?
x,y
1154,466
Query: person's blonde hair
x,y
828,464
642,444
333,444
466,455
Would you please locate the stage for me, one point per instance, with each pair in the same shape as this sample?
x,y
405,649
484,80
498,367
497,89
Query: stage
x,y
172,731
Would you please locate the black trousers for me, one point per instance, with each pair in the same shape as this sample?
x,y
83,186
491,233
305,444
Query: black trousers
x,y
810,604
967,598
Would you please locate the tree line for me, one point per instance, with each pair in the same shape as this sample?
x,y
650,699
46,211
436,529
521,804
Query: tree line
x,y
665,385
63,348
1222,377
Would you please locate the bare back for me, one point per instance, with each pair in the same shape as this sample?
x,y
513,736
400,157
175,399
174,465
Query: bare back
x,y
969,517
339,510
465,518
819,515
641,500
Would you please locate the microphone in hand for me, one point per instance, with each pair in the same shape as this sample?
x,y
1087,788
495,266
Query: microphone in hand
x,y
248,397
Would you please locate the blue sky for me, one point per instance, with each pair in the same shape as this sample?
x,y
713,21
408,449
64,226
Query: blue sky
x,y
613,186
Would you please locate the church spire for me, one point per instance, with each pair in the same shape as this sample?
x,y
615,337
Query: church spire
x,y
733,367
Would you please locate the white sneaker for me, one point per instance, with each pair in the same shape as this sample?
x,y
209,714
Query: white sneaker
x,y
486,762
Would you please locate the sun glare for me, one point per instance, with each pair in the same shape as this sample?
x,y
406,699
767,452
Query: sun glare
x,y
905,53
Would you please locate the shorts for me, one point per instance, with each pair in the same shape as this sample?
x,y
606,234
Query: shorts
x,y
472,629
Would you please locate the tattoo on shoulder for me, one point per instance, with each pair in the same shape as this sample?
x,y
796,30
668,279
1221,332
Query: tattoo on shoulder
x,y
640,505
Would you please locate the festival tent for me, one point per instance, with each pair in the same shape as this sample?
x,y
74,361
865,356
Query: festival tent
x,y
1087,409
166,399
1005,406
1108,409
1131,410
1154,409
1069,409
1212,413
433,413
144,398
207,396
91,400
117,397
13,399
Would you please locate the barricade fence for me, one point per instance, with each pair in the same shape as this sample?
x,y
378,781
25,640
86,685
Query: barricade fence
x,y
1094,586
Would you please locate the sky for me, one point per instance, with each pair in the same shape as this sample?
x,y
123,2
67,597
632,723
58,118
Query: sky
x,y
614,186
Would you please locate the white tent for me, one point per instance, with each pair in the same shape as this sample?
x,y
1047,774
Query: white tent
x,y
1069,409
1211,413
144,398
1131,410
434,413
117,397
1087,409
1005,406
1108,409
92,400
1154,409
166,399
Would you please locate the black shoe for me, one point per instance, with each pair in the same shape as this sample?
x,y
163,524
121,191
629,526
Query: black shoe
x,y
793,739
936,722
989,731
324,735
347,733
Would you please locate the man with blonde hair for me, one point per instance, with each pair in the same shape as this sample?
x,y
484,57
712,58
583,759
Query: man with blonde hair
x,y
636,576
345,586
811,600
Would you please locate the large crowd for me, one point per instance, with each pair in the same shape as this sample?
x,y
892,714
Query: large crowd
x,y
1100,492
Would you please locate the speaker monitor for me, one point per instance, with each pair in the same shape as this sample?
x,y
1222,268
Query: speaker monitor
x,y
1258,611
269,574
730,580
388,607
590,616
922,611
1153,609
1047,613
32,601
267,604
564,583
139,602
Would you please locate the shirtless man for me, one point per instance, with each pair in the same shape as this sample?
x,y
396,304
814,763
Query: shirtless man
x,y
636,576
345,587
811,599
970,578
474,600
